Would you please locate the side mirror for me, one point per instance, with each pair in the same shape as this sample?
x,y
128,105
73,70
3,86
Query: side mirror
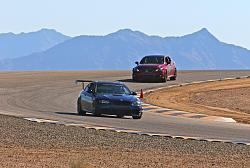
x,y
137,63
133,93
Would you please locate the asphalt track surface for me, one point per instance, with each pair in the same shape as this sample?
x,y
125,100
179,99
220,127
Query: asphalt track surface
x,y
52,95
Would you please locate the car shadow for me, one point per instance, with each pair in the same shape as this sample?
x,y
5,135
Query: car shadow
x,y
91,115
131,81
107,116
127,80
67,113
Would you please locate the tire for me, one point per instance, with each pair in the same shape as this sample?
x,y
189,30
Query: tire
x,y
134,79
175,75
137,117
120,115
165,78
79,108
97,114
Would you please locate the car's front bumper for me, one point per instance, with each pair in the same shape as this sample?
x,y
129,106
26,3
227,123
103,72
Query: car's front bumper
x,y
118,109
148,76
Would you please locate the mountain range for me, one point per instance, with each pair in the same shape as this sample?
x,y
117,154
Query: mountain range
x,y
119,50
16,45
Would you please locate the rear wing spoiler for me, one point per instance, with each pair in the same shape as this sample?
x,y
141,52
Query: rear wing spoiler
x,y
83,81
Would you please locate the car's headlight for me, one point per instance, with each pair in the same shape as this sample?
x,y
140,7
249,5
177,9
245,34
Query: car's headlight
x,y
158,69
136,69
104,101
136,103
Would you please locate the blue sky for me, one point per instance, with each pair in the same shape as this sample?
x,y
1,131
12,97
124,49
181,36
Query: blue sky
x,y
228,20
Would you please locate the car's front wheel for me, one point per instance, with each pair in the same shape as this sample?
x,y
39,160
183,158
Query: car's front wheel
x,y
79,107
134,79
137,116
97,113
164,77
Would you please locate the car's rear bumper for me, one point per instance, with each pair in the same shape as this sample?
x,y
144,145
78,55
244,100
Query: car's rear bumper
x,y
115,110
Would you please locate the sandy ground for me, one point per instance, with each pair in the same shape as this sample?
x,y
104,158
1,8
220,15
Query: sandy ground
x,y
28,144
228,98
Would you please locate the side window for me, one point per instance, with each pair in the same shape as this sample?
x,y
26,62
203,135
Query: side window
x,y
87,88
91,88
126,89
168,60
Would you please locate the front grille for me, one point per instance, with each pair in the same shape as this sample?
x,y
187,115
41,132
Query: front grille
x,y
148,69
121,103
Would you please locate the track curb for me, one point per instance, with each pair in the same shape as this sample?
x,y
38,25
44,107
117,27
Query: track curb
x,y
136,132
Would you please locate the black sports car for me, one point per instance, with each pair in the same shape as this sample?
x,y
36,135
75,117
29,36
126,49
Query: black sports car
x,y
114,98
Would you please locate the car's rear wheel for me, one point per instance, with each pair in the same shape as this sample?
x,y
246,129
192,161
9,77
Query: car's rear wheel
x,y
175,75
79,107
120,115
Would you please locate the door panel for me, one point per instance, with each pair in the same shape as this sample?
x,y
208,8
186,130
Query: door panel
x,y
89,97
89,101
172,68
83,101
169,67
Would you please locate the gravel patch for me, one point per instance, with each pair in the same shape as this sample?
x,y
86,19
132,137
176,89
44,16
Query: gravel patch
x,y
29,144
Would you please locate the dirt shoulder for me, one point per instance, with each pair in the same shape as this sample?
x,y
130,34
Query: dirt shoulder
x,y
229,98
28,144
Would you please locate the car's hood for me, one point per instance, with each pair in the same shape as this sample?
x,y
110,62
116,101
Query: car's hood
x,y
116,97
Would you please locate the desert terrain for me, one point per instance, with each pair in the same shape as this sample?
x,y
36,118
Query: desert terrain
x,y
229,98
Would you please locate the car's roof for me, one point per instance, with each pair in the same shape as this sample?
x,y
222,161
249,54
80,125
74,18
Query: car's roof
x,y
109,82
155,56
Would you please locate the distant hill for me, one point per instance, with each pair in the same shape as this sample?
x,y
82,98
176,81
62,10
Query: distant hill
x,y
16,45
119,50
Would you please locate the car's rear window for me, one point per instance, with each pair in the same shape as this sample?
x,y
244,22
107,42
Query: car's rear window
x,y
112,89
153,60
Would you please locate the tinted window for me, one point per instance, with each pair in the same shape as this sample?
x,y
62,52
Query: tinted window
x,y
90,88
168,60
153,60
112,89
86,88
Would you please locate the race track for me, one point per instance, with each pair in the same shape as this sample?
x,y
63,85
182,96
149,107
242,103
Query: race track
x,y
52,95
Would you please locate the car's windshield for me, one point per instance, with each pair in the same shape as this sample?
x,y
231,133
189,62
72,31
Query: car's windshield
x,y
152,60
111,89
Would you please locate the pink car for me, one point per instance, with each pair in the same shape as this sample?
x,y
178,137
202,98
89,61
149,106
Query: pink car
x,y
155,67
